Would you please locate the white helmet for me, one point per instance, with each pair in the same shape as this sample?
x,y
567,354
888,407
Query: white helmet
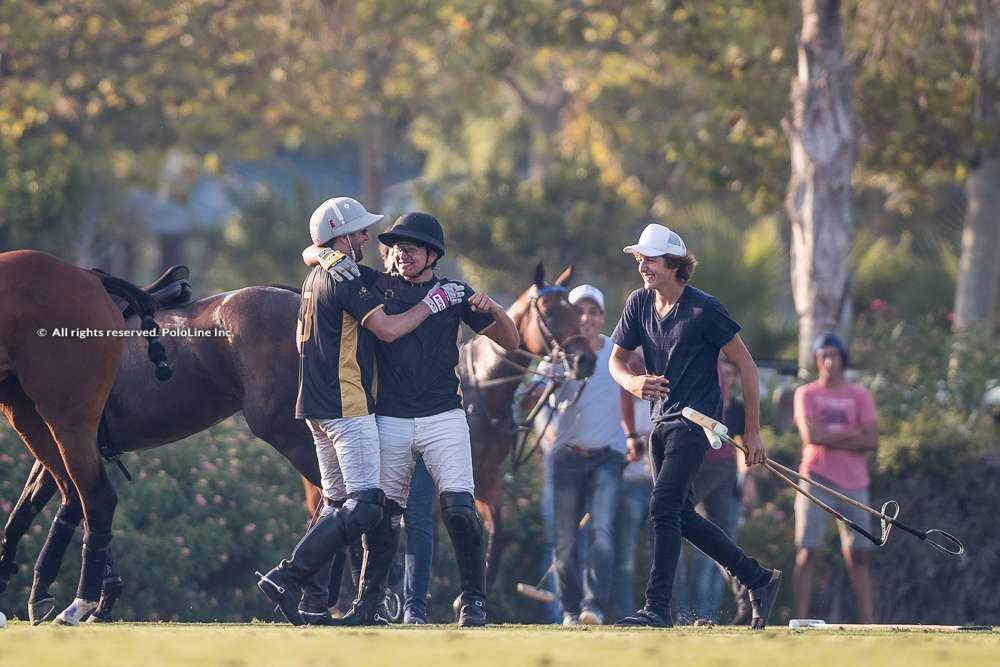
x,y
338,216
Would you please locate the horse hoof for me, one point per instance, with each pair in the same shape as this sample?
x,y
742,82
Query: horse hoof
x,y
40,610
94,618
75,612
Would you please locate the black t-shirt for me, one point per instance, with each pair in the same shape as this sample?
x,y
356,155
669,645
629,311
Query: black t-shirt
x,y
683,347
417,373
336,353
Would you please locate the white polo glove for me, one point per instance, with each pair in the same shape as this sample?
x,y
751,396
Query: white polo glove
x,y
443,296
338,265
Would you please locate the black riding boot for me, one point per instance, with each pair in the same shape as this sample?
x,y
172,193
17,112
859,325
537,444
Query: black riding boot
x,y
380,547
466,532
284,583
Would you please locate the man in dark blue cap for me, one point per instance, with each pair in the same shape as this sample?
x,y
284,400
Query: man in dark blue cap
x,y
838,425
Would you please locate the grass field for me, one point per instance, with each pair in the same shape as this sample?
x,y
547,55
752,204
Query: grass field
x,y
193,645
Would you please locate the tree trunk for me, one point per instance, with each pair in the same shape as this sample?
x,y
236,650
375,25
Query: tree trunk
x,y
822,133
976,292
372,147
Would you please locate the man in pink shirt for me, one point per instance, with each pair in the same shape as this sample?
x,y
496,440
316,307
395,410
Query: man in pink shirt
x,y
838,425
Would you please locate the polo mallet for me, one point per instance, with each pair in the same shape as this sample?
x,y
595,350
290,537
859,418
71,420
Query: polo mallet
x,y
937,538
538,593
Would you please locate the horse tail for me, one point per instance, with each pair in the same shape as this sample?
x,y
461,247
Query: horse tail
x,y
144,306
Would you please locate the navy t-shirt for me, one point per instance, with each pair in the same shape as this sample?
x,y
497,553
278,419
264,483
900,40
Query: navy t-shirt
x,y
683,346
417,373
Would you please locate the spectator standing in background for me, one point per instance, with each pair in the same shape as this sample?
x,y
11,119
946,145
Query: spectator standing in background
x,y
838,425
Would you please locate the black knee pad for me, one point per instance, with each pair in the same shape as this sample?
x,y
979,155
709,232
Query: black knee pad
x,y
458,509
362,511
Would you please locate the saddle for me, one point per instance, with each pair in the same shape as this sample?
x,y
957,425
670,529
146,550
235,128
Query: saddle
x,y
170,290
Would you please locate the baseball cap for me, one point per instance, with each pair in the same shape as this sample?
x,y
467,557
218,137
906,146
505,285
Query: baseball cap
x,y
587,292
657,240
339,216
830,339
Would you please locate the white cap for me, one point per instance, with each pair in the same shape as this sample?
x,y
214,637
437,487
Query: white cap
x,y
339,216
587,292
657,240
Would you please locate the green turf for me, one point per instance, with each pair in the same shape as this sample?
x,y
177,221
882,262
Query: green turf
x,y
510,646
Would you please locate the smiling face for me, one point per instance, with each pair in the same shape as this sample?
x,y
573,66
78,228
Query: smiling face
x,y
413,261
591,318
352,244
654,271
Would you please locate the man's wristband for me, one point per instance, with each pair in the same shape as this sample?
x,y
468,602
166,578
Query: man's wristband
x,y
631,435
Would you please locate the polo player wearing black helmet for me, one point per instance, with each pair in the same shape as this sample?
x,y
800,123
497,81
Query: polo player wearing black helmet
x,y
337,319
419,412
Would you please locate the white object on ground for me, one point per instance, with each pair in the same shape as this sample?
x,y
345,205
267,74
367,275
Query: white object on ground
x,y
3,620
806,623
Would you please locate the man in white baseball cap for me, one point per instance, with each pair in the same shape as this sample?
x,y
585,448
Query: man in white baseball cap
x,y
586,456
657,240
682,330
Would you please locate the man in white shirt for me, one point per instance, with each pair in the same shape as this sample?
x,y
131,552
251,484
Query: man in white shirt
x,y
587,452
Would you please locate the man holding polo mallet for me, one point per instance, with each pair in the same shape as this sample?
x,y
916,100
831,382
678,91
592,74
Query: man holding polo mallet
x,y
681,330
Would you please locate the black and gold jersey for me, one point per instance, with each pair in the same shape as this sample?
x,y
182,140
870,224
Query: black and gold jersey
x,y
418,374
336,352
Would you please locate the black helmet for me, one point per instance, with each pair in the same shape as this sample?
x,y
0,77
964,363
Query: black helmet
x,y
421,228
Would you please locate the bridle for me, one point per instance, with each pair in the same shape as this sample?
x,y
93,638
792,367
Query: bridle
x,y
560,372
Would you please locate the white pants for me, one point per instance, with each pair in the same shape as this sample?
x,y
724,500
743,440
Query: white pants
x,y
348,453
443,441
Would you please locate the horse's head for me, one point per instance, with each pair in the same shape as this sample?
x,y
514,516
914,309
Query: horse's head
x,y
548,322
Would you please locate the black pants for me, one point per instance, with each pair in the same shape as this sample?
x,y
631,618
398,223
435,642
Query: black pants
x,y
677,450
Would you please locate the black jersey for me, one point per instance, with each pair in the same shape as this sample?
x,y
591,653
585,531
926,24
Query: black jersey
x,y
418,374
336,353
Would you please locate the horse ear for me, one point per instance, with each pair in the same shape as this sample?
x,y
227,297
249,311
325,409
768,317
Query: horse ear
x,y
540,276
565,276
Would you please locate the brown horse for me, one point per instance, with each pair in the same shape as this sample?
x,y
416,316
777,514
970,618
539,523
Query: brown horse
x,y
549,326
53,386
237,354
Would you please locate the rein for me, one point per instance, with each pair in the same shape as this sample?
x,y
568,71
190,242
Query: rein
x,y
521,453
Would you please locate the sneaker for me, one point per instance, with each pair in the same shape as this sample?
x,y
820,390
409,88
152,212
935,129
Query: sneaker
x,y
591,617
646,618
762,601
283,593
472,614
570,619
414,617
364,613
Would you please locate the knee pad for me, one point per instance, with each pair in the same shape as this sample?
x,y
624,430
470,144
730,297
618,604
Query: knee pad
x,y
362,511
458,509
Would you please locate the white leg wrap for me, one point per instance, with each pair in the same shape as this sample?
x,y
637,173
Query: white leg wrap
x,y
75,612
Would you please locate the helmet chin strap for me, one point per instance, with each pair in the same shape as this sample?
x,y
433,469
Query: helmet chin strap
x,y
354,253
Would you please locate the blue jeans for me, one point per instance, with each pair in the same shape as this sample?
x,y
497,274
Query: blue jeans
x,y
583,483
633,512
419,520
552,611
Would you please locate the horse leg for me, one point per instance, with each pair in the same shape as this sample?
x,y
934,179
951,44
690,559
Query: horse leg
x,y
22,415
111,590
99,502
38,491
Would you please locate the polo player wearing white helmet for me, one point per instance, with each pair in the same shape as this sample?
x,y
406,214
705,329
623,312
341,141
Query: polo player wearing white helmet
x,y
339,318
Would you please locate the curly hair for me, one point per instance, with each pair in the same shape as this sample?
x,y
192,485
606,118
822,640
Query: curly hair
x,y
685,265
